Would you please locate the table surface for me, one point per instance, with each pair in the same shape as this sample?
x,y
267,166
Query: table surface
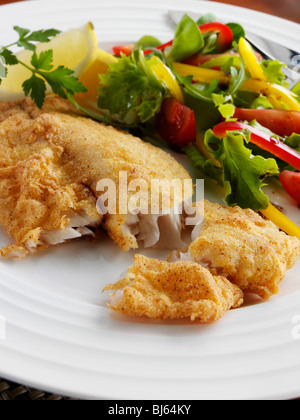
x,y
287,9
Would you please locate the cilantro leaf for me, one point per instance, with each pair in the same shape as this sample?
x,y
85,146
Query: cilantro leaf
x,y
27,38
22,32
128,94
43,35
42,61
36,88
243,174
62,81
9,57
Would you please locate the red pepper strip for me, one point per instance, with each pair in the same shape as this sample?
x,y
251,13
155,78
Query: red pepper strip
x,y
225,36
224,41
122,49
160,47
262,140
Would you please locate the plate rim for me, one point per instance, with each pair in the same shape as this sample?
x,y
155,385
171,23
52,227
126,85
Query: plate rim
x,y
76,392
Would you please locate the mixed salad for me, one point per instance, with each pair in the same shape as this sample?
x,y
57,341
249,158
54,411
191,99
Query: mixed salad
x,y
206,93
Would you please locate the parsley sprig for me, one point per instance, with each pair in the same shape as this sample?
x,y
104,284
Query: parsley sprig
x,y
61,79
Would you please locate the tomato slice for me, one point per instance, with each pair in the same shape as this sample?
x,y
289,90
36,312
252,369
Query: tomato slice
x,y
279,121
291,183
176,123
122,49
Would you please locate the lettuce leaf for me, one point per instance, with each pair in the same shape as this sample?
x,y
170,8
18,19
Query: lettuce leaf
x,y
243,174
273,70
207,166
296,90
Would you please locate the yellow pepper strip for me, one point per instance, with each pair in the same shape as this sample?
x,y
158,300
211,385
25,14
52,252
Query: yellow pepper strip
x,y
280,97
163,73
250,60
280,220
201,74
280,94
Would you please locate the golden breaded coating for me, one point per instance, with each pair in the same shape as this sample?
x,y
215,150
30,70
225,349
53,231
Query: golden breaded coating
x,y
51,161
33,202
93,152
163,290
250,251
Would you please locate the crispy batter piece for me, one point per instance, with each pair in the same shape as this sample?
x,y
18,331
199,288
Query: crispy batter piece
x,y
250,251
163,290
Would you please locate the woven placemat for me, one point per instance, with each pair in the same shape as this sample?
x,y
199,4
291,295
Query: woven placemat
x,y
12,391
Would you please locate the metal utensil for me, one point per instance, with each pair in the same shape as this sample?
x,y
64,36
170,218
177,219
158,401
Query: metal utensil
x,y
269,50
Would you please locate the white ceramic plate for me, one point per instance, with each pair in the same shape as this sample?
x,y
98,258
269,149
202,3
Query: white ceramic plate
x,y
61,337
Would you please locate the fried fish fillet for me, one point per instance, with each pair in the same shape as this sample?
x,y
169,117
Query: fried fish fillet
x,y
51,161
163,290
245,248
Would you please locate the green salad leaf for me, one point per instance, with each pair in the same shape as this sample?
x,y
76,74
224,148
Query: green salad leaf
x,y
273,71
188,40
243,174
148,41
128,94
224,61
296,90
206,18
237,30
292,141
207,166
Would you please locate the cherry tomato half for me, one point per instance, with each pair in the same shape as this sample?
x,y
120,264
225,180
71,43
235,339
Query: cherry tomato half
x,y
176,123
291,183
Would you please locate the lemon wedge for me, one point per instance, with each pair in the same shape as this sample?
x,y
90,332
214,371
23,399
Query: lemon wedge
x,y
90,79
74,49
